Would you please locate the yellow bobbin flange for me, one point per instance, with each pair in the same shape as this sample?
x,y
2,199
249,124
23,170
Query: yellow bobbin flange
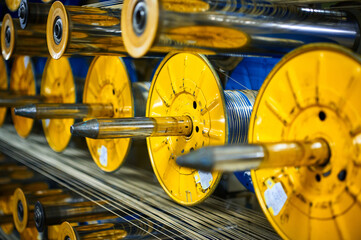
x,y
13,5
7,27
185,84
22,80
57,12
137,45
108,82
313,92
3,86
58,81
20,218
66,232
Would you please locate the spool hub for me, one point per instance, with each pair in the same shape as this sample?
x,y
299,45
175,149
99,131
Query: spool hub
x,y
20,210
139,35
58,81
108,82
312,93
3,86
22,80
57,30
186,85
7,37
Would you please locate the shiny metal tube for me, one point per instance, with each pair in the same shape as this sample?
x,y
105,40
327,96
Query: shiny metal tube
x,y
65,110
47,215
247,27
32,13
84,30
16,41
16,100
139,127
231,158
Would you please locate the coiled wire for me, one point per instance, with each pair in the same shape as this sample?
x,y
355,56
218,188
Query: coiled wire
x,y
239,105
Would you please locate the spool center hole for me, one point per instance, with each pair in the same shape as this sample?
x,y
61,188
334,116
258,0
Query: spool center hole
x,y
139,18
7,36
58,30
20,210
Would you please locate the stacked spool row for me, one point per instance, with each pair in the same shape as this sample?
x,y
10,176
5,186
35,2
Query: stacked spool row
x,y
32,206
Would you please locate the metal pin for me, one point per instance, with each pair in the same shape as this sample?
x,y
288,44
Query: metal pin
x,y
65,110
243,157
139,127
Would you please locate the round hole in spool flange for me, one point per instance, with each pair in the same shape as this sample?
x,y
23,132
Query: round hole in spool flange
x,y
194,104
197,129
58,30
342,175
139,18
322,115
318,177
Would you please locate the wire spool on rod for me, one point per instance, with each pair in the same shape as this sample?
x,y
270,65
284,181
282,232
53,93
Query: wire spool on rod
x,y
58,81
320,195
46,215
83,30
24,203
237,28
109,229
203,115
16,41
107,93
32,14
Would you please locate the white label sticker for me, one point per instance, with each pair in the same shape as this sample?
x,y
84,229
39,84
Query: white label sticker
x,y
204,178
47,122
275,198
103,156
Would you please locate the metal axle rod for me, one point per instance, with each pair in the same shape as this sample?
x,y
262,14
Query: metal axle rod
x,y
139,127
64,110
243,157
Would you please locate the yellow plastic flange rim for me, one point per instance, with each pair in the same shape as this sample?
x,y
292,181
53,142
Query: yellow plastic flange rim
x,y
22,80
3,87
56,11
138,45
67,231
185,84
7,51
20,224
13,5
108,82
58,81
313,92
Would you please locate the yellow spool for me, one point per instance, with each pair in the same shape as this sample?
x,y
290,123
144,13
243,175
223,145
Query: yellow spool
x,y
108,82
13,5
313,92
3,86
57,11
22,80
7,50
58,81
186,84
20,224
